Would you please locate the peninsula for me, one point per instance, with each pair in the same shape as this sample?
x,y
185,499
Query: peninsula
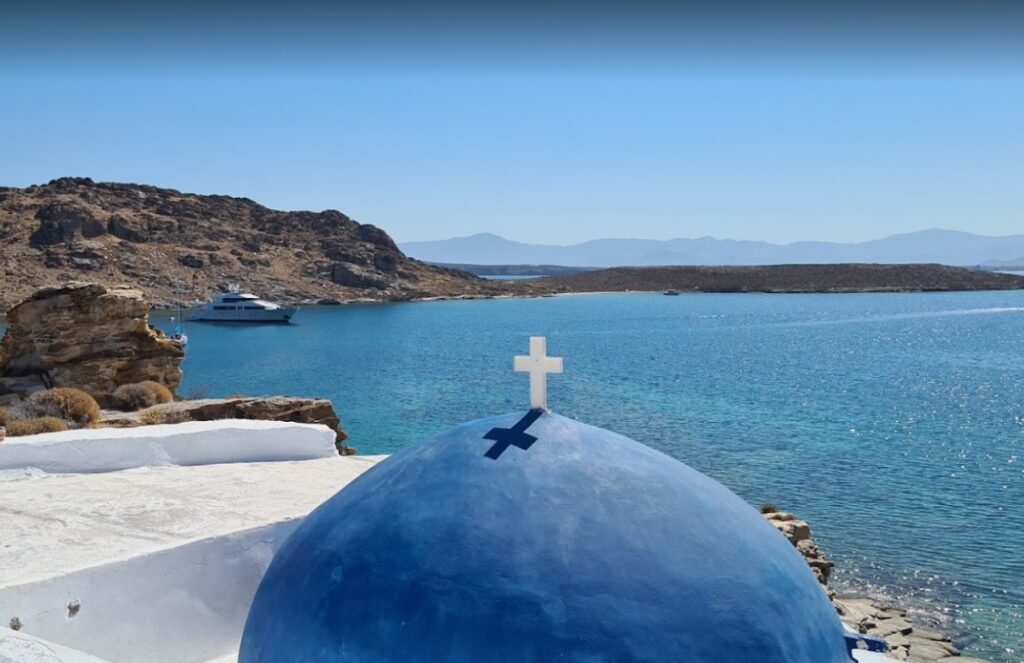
x,y
784,279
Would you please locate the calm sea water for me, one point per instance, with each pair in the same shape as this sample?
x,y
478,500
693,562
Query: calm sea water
x,y
892,422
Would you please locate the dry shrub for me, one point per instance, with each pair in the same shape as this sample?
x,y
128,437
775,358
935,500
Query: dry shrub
x,y
67,403
132,397
160,392
35,426
152,417
5,416
196,394
768,507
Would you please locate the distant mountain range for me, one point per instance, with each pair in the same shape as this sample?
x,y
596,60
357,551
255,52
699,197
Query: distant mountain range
x,y
947,247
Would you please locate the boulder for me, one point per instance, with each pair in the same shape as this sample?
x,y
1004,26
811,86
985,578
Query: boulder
x,y
273,408
352,276
88,336
191,260
128,230
793,529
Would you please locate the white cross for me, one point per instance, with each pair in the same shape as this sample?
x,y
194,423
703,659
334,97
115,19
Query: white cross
x,y
538,365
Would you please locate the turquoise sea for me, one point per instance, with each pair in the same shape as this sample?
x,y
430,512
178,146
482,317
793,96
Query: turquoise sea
x,y
893,423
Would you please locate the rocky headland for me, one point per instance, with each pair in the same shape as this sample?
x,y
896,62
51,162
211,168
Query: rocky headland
x,y
907,640
183,247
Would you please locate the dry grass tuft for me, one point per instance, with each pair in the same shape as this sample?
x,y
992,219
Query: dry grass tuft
x,y
141,395
133,397
160,392
66,403
152,417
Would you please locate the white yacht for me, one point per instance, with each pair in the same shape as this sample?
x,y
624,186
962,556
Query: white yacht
x,y
236,306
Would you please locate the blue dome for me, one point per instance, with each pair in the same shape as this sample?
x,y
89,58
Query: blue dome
x,y
538,538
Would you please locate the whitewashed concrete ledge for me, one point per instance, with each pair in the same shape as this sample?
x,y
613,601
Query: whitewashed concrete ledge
x,y
191,443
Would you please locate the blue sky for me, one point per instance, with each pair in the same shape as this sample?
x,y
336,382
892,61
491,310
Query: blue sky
x,y
549,128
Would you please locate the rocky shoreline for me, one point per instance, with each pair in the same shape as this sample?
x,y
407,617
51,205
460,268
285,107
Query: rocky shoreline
x,y
907,640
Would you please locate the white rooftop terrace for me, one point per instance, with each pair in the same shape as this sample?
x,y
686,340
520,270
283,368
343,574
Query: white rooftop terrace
x,y
158,562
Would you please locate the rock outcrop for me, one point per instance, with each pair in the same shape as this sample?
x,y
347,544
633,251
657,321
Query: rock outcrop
x,y
908,641
798,533
275,408
88,336
183,247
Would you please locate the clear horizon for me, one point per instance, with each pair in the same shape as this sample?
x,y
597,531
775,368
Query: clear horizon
x,y
714,237
540,125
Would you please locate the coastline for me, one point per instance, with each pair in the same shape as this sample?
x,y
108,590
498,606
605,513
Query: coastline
x,y
898,625
355,301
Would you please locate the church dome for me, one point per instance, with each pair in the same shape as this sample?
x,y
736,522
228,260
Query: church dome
x,y
538,538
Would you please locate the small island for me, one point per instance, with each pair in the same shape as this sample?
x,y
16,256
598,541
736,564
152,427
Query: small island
x,y
839,278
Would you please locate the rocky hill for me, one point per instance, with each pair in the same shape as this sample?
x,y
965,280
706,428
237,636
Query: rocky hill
x,y
784,278
183,247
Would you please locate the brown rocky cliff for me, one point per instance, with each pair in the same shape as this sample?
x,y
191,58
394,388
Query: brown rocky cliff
x,y
186,247
88,336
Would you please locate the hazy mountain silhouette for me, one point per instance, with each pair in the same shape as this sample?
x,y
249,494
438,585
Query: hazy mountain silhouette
x,y
948,247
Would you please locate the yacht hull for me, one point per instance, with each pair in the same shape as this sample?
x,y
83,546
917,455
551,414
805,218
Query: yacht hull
x,y
276,316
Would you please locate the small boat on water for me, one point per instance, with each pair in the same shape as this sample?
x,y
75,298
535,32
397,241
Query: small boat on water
x,y
179,336
671,293
178,333
237,306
